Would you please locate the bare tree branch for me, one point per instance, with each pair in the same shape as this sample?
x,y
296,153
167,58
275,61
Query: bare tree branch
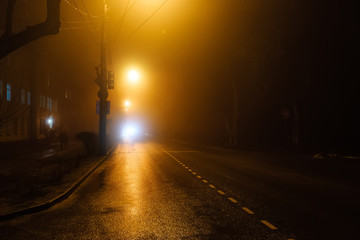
x,y
10,42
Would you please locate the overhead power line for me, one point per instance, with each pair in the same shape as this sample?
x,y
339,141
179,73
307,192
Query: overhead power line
x,y
80,11
92,22
146,20
117,28
82,18
70,28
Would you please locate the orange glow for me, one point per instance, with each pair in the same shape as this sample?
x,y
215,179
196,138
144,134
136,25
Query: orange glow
x,y
127,104
133,76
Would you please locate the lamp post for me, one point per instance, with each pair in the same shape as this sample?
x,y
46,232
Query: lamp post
x,y
102,82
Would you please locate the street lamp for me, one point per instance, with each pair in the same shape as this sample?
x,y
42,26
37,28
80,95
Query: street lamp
x,y
127,103
133,76
102,73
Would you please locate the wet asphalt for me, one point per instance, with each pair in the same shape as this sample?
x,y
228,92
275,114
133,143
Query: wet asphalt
x,y
172,191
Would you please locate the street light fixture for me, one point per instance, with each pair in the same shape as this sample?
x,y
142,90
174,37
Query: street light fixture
x,y
127,103
133,76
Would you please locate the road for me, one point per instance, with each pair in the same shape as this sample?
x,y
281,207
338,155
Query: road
x,y
172,191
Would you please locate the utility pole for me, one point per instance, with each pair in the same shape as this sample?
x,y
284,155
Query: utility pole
x,y
102,82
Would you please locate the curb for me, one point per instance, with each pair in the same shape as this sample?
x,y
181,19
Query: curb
x,y
58,199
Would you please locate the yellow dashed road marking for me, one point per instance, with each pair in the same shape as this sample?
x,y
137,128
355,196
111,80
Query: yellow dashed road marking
x,y
269,225
247,210
233,200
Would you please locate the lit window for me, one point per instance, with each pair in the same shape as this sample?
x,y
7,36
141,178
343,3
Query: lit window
x,y
50,105
8,92
29,98
22,96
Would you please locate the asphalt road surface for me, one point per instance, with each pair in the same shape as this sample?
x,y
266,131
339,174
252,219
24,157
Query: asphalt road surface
x,y
172,191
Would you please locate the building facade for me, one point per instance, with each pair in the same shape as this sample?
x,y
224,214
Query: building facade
x,y
34,101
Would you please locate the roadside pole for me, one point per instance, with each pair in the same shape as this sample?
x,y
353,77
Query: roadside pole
x,y
102,82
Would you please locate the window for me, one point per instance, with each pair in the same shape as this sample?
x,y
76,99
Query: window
x,y
50,105
29,98
8,92
22,96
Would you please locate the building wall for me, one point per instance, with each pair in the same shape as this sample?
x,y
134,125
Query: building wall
x,y
37,87
37,93
14,101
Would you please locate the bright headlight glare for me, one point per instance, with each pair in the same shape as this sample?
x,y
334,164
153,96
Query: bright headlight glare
x,y
130,132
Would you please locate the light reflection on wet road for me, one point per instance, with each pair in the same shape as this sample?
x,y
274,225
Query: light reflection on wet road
x,y
141,192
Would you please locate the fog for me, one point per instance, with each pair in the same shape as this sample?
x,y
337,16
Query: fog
x,y
215,70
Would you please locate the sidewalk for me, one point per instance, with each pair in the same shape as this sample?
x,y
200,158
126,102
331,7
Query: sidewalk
x,y
41,175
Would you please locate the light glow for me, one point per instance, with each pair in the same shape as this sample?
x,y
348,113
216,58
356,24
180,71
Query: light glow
x,y
50,122
127,104
130,132
133,76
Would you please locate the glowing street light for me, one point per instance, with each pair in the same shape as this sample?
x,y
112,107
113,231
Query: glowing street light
x,y
133,76
127,103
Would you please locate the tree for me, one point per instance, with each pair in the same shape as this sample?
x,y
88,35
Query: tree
x,y
10,41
